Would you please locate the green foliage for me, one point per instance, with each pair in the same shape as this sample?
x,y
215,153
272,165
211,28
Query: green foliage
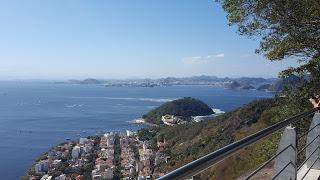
x,y
55,173
24,178
62,166
42,157
146,134
189,142
287,28
185,107
88,167
117,158
134,147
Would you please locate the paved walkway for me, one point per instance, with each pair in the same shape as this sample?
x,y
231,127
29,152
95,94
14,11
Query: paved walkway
x,y
313,174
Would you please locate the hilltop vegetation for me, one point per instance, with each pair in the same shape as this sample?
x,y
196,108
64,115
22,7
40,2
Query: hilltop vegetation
x,y
276,86
264,87
188,142
233,85
283,83
191,141
185,107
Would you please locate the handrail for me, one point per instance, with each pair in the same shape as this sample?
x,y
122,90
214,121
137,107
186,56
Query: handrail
x,y
201,164
290,163
304,134
314,151
267,162
301,150
309,168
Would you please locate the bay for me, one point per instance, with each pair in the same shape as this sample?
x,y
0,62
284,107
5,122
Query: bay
x,y
35,116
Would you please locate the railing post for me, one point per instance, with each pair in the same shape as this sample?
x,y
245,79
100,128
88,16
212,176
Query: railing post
x,y
285,163
314,135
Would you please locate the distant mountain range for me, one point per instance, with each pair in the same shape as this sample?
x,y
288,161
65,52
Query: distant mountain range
x,y
246,83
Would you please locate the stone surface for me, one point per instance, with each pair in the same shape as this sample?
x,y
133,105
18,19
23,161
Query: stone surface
x,y
315,133
313,174
289,155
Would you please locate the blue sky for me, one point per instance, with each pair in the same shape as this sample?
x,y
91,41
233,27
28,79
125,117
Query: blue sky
x,y
64,39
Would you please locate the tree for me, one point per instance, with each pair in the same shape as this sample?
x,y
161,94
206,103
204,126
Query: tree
x,y
287,28
88,167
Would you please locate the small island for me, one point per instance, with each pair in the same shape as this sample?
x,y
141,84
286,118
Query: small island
x,y
180,110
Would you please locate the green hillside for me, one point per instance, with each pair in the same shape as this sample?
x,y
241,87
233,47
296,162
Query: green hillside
x,y
185,107
188,142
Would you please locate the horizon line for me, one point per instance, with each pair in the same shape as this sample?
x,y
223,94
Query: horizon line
x,y
129,78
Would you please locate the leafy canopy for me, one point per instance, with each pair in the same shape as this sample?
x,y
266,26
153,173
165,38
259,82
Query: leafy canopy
x,y
287,28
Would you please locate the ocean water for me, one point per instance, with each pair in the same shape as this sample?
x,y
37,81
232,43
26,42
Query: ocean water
x,y
36,116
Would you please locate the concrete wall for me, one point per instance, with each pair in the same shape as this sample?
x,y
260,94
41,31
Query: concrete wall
x,y
315,144
288,137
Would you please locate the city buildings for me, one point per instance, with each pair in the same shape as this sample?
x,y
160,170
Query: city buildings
x,y
95,157
42,166
76,152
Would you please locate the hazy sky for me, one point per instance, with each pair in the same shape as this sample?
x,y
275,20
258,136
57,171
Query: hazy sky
x,y
63,39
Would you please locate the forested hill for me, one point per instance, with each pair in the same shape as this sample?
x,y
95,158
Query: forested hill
x,y
185,107
188,142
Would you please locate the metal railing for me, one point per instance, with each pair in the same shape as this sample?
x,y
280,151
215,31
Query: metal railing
x,y
195,167
298,153
270,160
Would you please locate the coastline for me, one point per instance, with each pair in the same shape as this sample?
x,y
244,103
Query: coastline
x,y
143,121
41,129
96,157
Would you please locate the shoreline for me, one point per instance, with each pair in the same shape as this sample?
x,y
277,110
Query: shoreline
x,y
143,121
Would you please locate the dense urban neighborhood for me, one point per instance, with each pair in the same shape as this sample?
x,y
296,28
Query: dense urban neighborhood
x,y
242,83
109,156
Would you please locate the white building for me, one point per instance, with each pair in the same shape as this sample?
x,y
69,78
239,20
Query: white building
x,y
76,152
46,177
159,158
42,166
129,133
172,120
107,153
96,177
87,148
144,177
110,139
96,174
107,174
83,140
61,177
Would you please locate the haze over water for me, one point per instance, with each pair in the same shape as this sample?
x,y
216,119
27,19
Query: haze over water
x,y
37,116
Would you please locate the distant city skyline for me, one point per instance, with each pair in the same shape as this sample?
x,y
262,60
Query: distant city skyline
x,y
117,39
